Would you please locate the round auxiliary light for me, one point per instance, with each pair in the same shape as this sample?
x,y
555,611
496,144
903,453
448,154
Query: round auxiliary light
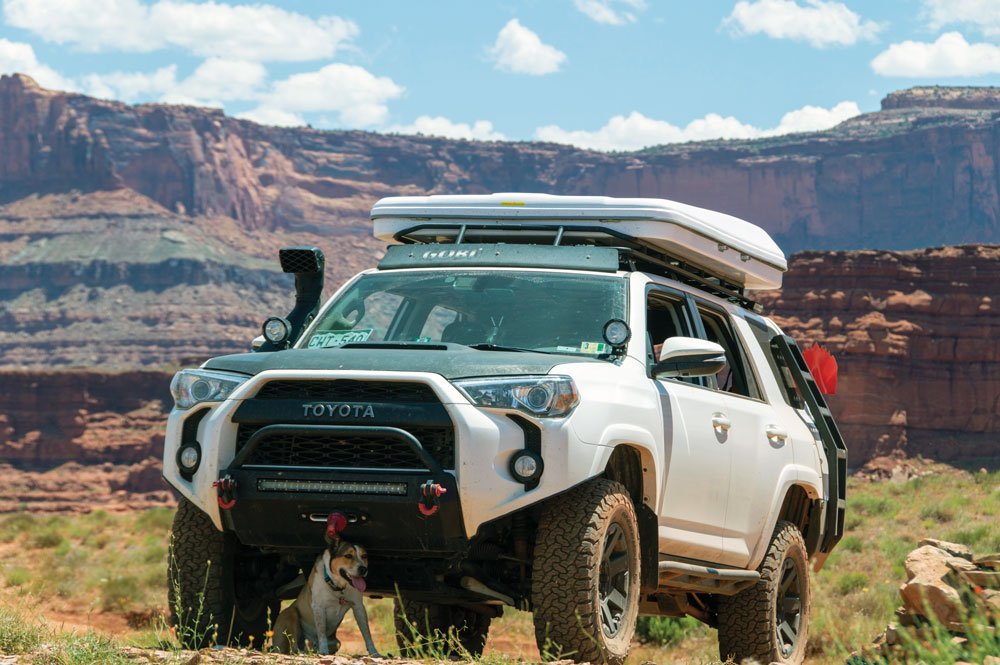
x,y
616,332
189,457
276,329
526,466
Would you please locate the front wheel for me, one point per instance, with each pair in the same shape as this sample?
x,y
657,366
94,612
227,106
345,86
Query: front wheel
x,y
769,621
210,603
585,575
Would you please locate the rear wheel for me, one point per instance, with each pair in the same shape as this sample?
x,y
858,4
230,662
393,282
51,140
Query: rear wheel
x,y
434,630
585,574
210,601
770,621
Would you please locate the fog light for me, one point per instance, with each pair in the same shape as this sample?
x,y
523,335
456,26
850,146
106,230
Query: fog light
x,y
188,458
526,466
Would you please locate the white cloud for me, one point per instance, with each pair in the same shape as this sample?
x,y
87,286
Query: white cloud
x,y
611,12
272,116
480,130
356,95
353,92
636,130
983,14
258,32
218,80
813,119
132,86
17,57
950,55
821,23
521,51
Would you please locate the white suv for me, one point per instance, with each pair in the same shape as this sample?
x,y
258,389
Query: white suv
x,y
569,405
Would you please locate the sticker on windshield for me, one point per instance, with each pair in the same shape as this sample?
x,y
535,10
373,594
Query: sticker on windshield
x,y
334,338
594,347
567,349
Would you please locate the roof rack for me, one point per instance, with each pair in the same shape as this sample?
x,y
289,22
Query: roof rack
x,y
633,254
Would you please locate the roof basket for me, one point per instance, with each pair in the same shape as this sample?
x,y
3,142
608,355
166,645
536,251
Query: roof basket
x,y
633,253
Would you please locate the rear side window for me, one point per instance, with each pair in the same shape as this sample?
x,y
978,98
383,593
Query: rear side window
x,y
763,334
737,376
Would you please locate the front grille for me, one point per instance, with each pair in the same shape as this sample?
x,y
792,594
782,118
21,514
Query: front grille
x,y
349,451
349,390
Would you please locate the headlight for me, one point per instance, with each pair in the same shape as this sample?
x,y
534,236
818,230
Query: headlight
x,y
542,396
193,386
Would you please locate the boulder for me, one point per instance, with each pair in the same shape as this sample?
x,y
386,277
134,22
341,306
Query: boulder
x,y
954,549
928,591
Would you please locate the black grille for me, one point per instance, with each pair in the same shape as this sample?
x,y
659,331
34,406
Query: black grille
x,y
346,390
354,451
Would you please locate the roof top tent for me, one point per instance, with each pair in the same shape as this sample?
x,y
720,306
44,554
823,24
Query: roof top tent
x,y
726,247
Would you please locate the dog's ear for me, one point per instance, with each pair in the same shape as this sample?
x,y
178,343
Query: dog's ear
x,y
340,548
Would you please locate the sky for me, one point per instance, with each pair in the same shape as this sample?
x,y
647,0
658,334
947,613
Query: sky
x,y
601,74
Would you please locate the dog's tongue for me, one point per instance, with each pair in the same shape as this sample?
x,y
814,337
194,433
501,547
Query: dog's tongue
x,y
359,583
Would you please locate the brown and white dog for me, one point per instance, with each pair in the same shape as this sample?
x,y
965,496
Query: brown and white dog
x,y
336,584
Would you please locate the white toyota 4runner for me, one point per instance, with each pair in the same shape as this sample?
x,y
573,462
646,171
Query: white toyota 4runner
x,y
569,405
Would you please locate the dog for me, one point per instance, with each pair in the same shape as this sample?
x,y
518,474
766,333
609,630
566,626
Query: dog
x,y
336,584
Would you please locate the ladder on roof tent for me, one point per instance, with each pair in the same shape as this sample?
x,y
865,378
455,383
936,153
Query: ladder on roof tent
x,y
788,351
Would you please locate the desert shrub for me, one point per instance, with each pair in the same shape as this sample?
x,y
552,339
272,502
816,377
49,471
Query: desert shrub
x,y
665,631
852,543
117,592
849,583
50,535
13,526
16,634
873,506
971,537
937,513
17,577
86,649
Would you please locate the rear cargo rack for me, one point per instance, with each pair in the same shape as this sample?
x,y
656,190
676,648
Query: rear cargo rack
x,y
788,351
633,254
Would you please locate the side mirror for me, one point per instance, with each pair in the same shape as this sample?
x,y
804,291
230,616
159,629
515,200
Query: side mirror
x,y
689,356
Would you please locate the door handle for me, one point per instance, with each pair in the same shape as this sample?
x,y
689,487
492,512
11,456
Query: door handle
x,y
776,434
720,422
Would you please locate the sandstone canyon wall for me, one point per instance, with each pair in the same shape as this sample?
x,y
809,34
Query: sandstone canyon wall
x,y
136,239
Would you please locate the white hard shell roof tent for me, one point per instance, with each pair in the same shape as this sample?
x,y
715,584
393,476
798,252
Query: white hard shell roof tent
x,y
723,245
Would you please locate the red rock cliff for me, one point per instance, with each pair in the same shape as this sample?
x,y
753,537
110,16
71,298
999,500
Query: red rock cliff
x,y
917,337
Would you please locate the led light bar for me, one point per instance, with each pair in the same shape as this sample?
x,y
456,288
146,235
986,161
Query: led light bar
x,y
331,487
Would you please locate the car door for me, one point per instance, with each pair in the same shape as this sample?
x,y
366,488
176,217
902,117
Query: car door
x,y
692,512
759,446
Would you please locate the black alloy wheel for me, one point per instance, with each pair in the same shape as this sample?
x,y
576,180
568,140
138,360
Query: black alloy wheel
x,y
788,609
614,579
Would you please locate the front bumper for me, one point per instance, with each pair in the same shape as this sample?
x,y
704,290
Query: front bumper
x,y
480,488
271,511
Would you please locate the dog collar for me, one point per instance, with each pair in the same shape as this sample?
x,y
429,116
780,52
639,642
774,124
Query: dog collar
x,y
329,581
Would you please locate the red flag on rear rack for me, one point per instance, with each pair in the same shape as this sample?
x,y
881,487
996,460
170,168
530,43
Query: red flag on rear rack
x,y
823,367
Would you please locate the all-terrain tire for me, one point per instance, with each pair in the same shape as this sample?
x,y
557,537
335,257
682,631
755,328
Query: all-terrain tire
x,y
769,621
424,629
206,607
586,550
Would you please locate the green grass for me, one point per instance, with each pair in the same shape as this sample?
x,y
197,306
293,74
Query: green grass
x,y
17,634
103,562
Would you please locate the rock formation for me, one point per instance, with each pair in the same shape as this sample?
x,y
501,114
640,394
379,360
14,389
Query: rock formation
x,y
143,238
917,338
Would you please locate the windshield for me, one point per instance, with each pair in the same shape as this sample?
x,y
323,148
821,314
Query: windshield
x,y
537,311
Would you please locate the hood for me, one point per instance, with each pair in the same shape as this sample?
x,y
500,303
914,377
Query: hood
x,y
457,362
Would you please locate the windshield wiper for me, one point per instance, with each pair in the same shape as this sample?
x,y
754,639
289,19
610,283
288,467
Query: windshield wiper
x,y
486,346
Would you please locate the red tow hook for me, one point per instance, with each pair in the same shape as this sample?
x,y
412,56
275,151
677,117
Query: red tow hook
x,y
431,492
226,487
